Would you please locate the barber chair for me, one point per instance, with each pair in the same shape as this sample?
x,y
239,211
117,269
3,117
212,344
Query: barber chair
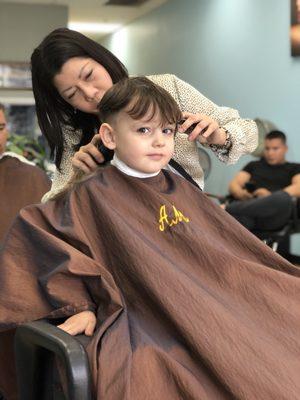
x,y
39,344
39,348
274,237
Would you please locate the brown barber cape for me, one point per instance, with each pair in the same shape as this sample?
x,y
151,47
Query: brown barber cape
x,y
20,185
190,306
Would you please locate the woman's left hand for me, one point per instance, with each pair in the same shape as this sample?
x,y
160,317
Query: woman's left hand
x,y
206,130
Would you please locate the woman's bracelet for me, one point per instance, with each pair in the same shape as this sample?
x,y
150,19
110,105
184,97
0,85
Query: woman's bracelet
x,y
224,148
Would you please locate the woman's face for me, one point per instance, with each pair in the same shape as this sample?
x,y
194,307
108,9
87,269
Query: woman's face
x,y
82,82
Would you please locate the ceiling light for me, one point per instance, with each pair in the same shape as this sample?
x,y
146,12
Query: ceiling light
x,y
93,27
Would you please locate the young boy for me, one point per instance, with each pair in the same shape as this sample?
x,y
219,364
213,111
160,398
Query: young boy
x,y
184,303
143,142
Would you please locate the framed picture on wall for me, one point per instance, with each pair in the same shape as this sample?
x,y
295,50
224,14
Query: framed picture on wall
x,y
15,75
295,28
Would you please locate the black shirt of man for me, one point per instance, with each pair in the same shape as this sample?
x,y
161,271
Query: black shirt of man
x,y
271,177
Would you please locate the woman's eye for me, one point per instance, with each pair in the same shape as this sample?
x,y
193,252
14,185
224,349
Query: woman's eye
x,y
71,95
89,74
144,130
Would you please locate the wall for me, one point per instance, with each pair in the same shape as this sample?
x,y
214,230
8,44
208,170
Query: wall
x,y
22,27
236,52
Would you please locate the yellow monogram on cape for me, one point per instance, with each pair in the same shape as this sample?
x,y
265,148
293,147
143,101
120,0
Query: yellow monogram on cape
x,y
164,218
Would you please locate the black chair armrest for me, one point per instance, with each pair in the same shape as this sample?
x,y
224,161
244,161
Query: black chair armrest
x,y
35,339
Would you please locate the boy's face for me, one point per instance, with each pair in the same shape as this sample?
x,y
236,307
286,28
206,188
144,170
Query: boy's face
x,y
145,145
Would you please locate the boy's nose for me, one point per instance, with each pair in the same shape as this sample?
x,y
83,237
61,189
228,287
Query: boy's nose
x,y
159,140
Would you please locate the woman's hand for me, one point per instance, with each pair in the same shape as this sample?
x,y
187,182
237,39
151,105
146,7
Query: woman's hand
x,y
207,130
83,322
88,157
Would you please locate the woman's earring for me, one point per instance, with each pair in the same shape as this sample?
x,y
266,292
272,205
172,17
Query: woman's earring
x,y
75,110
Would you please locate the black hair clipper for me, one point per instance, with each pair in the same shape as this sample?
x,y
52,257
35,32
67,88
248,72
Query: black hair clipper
x,y
107,153
191,128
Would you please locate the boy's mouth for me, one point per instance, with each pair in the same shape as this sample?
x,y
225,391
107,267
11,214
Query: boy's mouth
x,y
156,156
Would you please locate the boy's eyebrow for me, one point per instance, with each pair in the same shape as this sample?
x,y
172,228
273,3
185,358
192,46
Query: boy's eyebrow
x,y
79,76
145,122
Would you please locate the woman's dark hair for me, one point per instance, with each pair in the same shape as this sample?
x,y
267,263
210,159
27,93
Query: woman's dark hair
x,y
52,110
141,95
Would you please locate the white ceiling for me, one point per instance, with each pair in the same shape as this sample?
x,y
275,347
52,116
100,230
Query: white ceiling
x,y
94,11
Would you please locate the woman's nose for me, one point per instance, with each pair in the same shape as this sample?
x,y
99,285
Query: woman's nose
x,y
89,92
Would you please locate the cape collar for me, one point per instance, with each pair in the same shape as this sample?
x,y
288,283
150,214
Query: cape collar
x,y
121,166
15,155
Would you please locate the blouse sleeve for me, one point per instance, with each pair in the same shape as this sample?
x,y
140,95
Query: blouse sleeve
x,y
62,176
243,132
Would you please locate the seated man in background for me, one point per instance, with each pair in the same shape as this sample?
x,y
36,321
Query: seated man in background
x,y
264,189
21,184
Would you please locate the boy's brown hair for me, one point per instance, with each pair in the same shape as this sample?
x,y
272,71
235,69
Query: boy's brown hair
x,y
141,94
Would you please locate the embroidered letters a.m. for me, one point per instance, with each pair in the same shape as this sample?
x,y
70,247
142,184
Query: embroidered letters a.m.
x,y
164,219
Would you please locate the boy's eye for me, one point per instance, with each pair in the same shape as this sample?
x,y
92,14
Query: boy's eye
x,y
168,131
144,130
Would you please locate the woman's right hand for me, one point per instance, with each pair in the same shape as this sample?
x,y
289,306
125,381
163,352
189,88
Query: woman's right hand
x,y
88,157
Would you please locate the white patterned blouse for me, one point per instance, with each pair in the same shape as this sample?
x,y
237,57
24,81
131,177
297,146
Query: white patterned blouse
x,y
243,133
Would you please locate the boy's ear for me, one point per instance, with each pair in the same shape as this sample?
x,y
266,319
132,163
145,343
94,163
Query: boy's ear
x,y
107,135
